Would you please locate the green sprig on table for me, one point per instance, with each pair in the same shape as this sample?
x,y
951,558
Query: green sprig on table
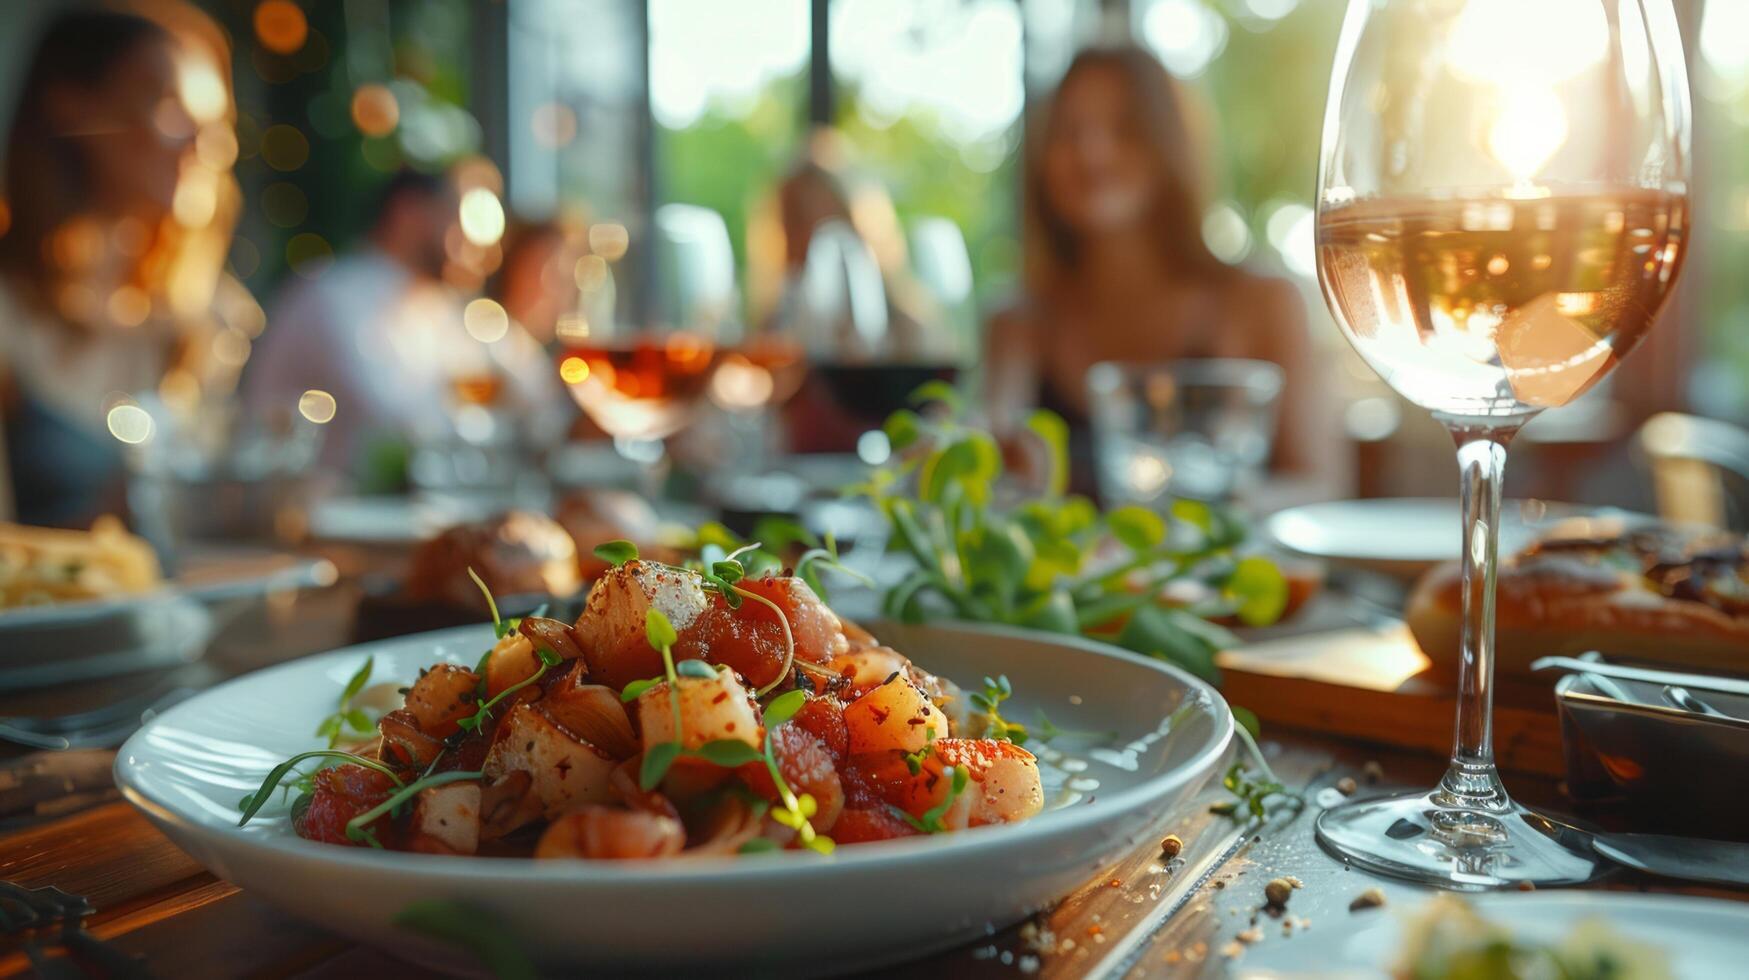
x,y
985,551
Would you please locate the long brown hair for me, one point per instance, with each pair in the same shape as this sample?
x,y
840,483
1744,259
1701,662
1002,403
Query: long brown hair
x,y
1053,249
47,177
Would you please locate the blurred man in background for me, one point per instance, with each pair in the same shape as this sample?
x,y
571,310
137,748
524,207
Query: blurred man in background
x,y
370,329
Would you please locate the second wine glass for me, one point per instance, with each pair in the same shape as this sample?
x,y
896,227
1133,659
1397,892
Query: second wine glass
x,y
1502,210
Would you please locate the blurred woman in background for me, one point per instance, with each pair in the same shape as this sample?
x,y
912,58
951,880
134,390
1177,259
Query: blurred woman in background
x,y
1116,267
120,201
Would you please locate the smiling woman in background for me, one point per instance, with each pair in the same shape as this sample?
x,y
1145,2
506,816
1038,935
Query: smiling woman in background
x,y
1117,269
112,285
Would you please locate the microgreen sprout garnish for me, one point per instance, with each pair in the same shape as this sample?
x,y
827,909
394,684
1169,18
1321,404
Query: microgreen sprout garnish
x,y
914,760
253,802
500,625
477,720
659,633
797,809
826,556
931,821
358,828
989,701
1046,730
1253,785
348,718
616,553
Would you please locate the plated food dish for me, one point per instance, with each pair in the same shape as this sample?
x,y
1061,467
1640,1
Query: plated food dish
x,y
685,712
1161,735
1574,935
1673,595
42,566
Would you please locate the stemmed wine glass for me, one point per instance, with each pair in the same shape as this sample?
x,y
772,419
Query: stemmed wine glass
x,y
1502,210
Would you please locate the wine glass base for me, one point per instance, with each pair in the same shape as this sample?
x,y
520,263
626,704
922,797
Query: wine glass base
x,y
1421,837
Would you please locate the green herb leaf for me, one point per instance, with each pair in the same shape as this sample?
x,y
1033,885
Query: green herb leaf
x,y
1138,528
758,845
903,428
728,571
548,658
1054,433
784,707
359,679
695,668
658,630
727,753
1259,589
657,760
631,691
616,553
252,803
937,391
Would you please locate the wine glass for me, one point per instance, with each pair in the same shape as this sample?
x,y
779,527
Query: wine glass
x,y
1502,210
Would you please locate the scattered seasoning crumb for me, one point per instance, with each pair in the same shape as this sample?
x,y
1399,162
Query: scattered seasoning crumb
x,y
1527,886
1220,883
1277,892
1290,879
1095,929
1287,926
1346,786
1172,846
1372,898
1028,964
1251,935
1372,771
1115,883
1065,945
1233,950
1172,956
1197,952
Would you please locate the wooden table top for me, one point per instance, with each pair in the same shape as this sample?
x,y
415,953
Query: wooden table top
x,y
62,825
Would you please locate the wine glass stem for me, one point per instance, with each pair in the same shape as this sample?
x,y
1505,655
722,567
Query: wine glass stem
x,y
1472,780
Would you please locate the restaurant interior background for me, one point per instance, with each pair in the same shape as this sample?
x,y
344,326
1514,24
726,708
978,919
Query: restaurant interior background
x,y
662,127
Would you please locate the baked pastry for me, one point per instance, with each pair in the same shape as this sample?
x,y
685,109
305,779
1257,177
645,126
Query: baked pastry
x,y
1674,596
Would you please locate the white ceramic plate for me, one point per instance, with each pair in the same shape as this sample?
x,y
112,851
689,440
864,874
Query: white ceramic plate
x,y
1701,938
71,641
1403,537
863,906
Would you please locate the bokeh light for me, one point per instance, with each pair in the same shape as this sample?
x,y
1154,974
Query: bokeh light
x,y
553,125
1186,34
309,254
284,147
204,95
573,370
280,26
609,239
317,405
129,306
215,146
374,110
196,199
130,423
285,204
485,320
1225,233
482,217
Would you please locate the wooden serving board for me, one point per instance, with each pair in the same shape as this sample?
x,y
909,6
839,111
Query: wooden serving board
x,y
1364,683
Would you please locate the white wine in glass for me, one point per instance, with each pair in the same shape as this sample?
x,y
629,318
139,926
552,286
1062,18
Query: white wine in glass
x,y
1502,211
